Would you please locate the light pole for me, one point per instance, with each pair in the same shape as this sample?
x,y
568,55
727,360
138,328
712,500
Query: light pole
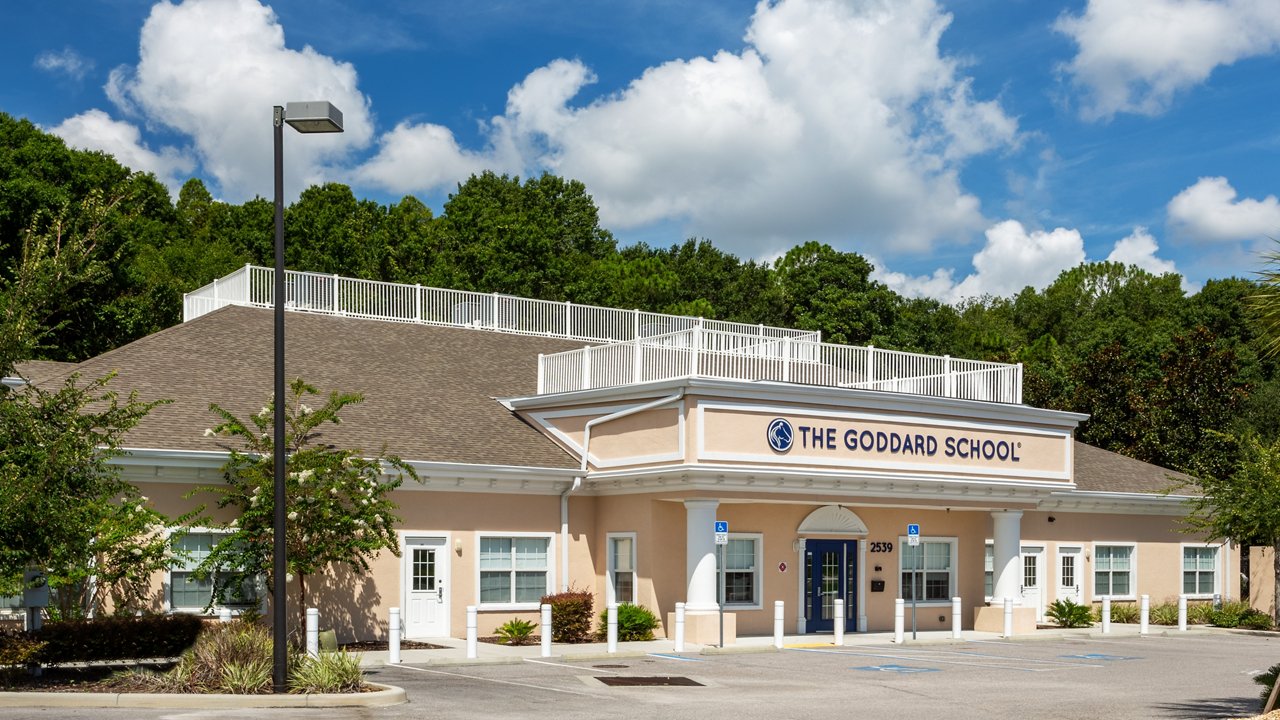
x,y
305,117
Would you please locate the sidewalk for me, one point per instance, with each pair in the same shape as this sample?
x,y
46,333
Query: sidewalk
x,y
455,650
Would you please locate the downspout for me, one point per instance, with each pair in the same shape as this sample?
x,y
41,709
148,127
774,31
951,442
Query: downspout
x,y
577,481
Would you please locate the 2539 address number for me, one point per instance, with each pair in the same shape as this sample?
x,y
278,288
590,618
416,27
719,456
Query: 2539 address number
x,y
881,547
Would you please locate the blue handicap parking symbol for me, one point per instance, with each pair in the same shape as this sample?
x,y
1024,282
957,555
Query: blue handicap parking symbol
x,y
895,669
1099,656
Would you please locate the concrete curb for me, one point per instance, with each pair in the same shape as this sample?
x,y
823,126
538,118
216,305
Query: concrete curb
x,y
385,695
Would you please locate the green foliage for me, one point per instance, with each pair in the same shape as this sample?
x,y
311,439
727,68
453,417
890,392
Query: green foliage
x,y
19,649
339,506
1256,620
113,638
55,452
1199,613
329,672
1121,612
635,622
570,615
1237,613
1165,613
1068,614
1267,680
516,631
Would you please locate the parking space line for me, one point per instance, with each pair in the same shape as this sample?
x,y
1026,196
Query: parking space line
x,y
495,680
1011,665
929,653
575,667
665,656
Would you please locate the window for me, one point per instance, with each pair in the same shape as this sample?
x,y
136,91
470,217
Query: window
x,y
1199,570
186,592
622,567
989,571
742,560
514,570
1113,570
928,570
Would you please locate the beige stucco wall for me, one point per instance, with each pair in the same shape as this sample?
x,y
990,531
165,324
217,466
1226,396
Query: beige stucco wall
x,y
1262,575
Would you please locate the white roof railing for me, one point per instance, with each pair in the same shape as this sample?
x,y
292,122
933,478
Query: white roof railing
x,y
701,352
253,286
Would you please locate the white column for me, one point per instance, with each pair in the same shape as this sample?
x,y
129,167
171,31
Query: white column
x,y
700,555
473,641
1144,614
546,630
679,627
778,614
1007,533
955,618
393,637
612,628
1008,617
1182,613
899,620
1106,614
313,632
839,621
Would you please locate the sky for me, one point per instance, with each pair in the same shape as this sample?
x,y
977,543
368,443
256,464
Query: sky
x,y
966,148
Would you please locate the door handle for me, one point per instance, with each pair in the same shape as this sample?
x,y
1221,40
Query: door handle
x,y
440,592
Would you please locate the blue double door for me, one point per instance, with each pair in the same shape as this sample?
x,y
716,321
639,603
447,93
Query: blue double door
x,y
831,572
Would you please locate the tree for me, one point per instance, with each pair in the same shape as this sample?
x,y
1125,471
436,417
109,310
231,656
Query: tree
x,y
1243,506
339,506
63,506
833,292
1265,305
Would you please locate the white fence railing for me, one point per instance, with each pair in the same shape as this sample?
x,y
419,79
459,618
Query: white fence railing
x,y
701,352
331,294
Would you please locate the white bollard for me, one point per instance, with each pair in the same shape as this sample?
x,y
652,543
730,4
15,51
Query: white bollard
x,y
955,618
1106,614
613,627
1182,613
778,614
679,627
473,640
313,632
546,630
839,621
899,619
224,614
393,637
1145,614
1008,617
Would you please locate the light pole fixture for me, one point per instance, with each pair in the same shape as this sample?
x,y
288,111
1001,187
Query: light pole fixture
x,y
305,117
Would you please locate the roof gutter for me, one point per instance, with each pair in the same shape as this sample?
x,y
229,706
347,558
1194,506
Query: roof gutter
x,y
577,481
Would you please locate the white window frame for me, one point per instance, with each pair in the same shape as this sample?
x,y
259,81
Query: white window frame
x,y
953,573
757,602
213,608
611,590
1217,570
1133,569
550,537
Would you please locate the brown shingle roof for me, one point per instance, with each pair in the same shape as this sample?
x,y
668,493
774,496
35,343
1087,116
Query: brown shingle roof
x,y
428,391
1099,470
38,371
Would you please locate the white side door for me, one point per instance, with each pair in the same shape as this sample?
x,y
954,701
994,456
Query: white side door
x,y
1070,574
425,576
1033,579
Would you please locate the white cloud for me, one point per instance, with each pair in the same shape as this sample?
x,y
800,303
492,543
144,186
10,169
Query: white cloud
x,y
1012,259
1139,248
838,122
212,70
1135,55
1209,212
95,130
66,61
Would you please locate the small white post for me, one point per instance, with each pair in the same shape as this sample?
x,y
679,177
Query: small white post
x,y
1145,614
224,614
679,627
955,618
313,632
1008,617
899,619
568,319
839,621
393,637
613,627
586,368
546,630
1106,614
472,639
1182,613
778,614
336,284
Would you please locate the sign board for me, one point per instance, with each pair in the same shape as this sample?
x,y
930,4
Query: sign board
x,y
913,534
722,532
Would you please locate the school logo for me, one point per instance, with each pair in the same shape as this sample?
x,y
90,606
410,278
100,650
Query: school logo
x,y
780,435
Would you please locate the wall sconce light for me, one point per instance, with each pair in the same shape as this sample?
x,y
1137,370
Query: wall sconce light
x,y
457,546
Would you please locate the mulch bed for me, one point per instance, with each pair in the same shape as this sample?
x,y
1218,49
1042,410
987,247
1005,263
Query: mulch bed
x,y
499,640
371,645
65,679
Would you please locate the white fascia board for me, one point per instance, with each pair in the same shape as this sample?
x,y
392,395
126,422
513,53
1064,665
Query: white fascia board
x,y
171,458
1117,502
469,471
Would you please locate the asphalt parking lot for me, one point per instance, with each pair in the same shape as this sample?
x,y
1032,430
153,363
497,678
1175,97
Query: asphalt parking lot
x,y
1183,676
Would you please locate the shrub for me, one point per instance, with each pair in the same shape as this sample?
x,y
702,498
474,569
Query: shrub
x,y
1166,613
331,672
1231,614
1266,680
1199,613
516,631
1124,612
18,649
117,638
1068,614
1256,620
570,616
635,622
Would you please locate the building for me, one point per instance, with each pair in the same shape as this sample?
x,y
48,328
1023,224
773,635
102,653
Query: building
x,y
564,446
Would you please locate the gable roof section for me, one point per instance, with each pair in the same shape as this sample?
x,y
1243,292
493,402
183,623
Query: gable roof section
x,y
428,391
38,371
1099,470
